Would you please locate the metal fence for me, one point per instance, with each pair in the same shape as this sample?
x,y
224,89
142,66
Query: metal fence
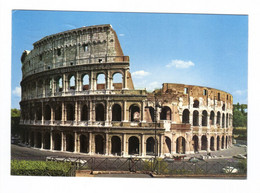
x,y
158,166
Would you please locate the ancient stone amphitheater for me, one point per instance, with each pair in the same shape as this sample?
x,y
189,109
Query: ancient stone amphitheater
x,y
65,106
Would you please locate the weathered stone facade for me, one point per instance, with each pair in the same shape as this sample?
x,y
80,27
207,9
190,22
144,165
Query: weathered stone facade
x,y
64,107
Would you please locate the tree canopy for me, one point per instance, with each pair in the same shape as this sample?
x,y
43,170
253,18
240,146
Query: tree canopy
x,y
240,115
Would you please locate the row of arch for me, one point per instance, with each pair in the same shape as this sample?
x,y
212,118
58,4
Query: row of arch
x,y
223,120
42,140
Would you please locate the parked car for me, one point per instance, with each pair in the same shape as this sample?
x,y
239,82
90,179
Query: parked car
x,y
193,160
229,170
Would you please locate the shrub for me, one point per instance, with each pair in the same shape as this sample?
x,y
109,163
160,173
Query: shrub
x,y
40,168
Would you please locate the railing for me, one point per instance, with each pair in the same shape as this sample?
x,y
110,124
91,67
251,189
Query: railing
x,y
157,166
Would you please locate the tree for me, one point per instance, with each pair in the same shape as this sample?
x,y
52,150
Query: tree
x,y
15,119
240,115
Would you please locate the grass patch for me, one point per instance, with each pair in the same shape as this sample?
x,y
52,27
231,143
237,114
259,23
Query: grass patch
x,y
40,168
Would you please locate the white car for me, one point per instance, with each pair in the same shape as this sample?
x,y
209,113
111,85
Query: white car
x,y
230,170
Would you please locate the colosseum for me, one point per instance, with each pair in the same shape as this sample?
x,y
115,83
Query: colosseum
x,y
65,106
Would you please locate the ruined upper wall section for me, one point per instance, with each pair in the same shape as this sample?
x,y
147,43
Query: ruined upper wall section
x,y
205,95
86,45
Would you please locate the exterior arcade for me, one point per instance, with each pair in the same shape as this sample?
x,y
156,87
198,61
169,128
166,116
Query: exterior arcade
x,y
65,107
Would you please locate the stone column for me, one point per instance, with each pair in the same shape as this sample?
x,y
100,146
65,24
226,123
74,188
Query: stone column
x,y
107,113
62,113
161,145
42,144
124,144
107,153
125,79
35,139
200,119
124,112
173,147
90,143
208,120
64,83
62,142
143,145
42,114
51,141
76,112
52,115
225,121
199,142
142,111
224,142
220,120
43,88
208,143
75,142
90,113
215,142
79,112
215,120
191,118
53,87
91,81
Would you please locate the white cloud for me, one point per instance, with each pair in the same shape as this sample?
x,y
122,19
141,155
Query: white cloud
x,y
17,91
140,74
153,85
180,64
240,92
121,35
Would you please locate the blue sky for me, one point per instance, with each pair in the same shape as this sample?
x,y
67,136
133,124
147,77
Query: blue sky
x,y
206,50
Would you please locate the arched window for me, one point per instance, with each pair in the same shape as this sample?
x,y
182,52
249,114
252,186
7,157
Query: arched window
x,y
195,118
70,112
166,113
39,112
134,113
180,145
204,142
58,113
99,144
101,82
196,104
116,145
47,114
186,116
84,113
116,112
59,84
150,146
168,145
212,148
223,120
72,82
212,117
100,112
204,118
117,82
84,148
133,145
227,121
85,82
218,118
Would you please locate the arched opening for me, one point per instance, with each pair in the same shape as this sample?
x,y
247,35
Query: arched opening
x,y
58,113
222,142
150,146
218,118
57,141
218,143
196,104
204,118
134,113
117,81
46,141
47,113
99,144
204,142
166,113
32,139
84,144
101,82
223,107
212,148
186,116
72,82
133,145
227,123
116,145
226,142
195,118
70,112
84,113
223,120
116,112
100,112
168,148
69,142
212,117
59,87
38,140
151,111
85,82
195,141
180,145
39,112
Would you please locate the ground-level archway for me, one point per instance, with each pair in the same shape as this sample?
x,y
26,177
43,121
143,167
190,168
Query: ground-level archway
x,y
57,141
116,145
212,141
133,145
168,143
150,146
46,144
84,144
180,145
99,144
69,143
204,142
195,140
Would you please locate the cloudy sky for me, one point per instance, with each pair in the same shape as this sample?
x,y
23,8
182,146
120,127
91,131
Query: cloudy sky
x,y
196,49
